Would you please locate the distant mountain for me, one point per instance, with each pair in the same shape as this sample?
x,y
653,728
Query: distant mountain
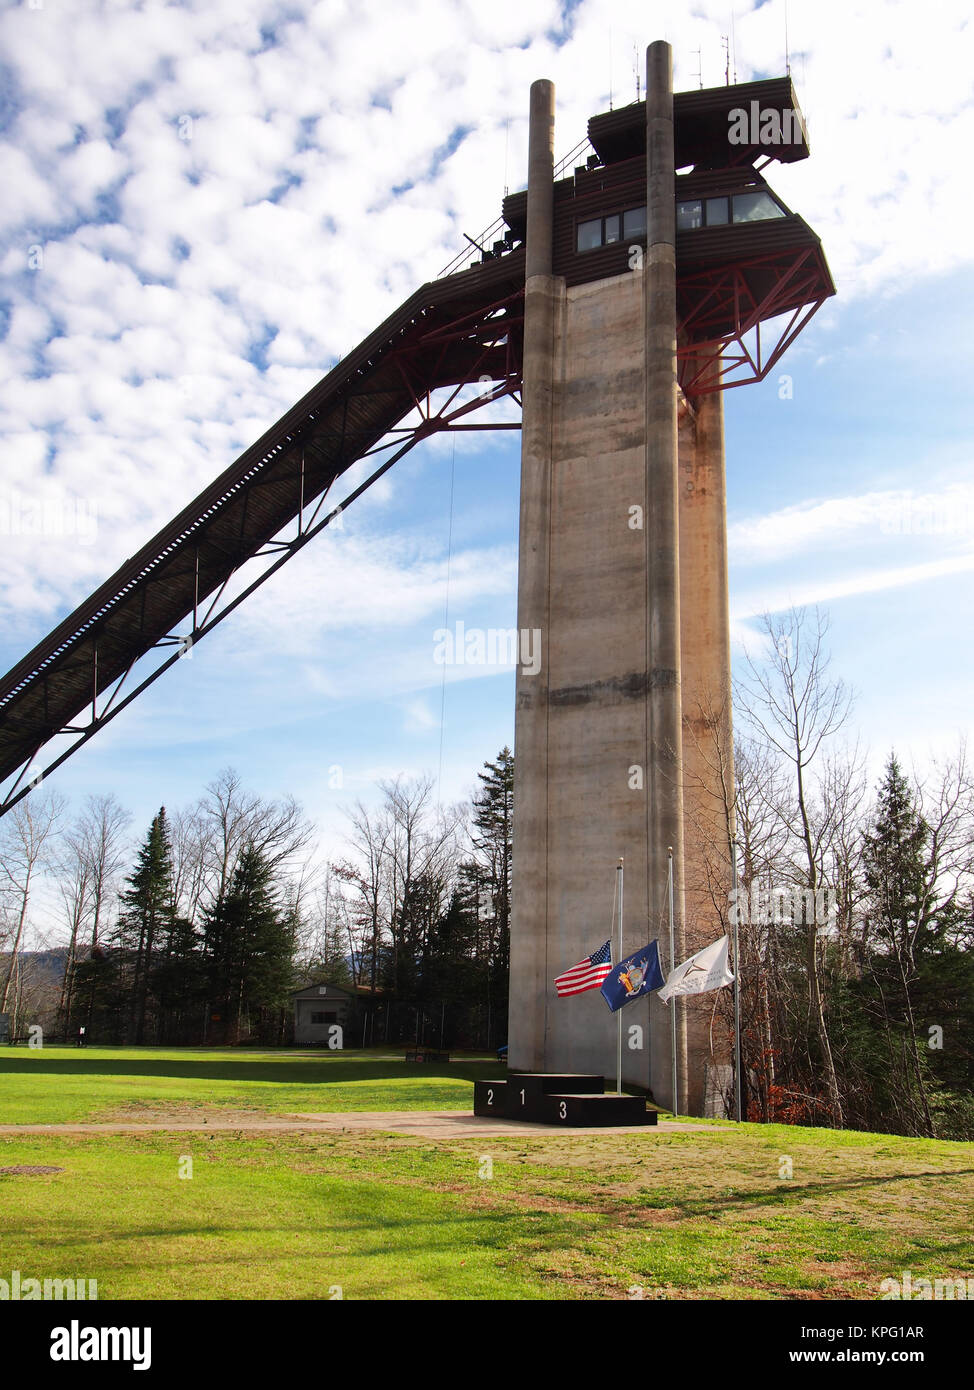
x,y
45,966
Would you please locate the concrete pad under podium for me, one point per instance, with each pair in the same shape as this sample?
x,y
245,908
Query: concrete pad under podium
x,y
426,1124
458,1124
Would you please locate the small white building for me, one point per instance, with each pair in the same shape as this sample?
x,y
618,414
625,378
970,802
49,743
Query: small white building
x,y
317,1008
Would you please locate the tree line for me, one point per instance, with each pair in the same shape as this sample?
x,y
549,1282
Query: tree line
x,y
855,908
223,913
418,913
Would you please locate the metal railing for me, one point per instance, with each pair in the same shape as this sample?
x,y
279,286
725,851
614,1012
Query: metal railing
x,y
485,240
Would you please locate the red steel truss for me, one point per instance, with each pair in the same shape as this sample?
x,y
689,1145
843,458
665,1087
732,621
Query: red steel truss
x,y
718,309
452,349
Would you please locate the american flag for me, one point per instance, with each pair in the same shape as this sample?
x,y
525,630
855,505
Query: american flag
x,y
587,974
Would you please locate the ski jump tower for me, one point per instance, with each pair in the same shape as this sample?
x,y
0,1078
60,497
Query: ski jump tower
x,y
619,304
649,273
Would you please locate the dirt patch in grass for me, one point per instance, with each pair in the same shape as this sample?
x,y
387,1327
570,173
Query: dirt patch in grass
x,y
179,1112
845,1278
29,1170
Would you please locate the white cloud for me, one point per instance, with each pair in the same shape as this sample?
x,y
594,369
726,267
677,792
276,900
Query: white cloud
x,y
199,188
372,584
210,122
845,547
873,518
824,590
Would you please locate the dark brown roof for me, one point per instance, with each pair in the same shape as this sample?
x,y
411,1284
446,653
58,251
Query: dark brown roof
x,y
324,984
701,121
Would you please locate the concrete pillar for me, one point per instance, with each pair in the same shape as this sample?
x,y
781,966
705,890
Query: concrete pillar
x,y
541,174
599,727
664,805
529,947
708,761
581,721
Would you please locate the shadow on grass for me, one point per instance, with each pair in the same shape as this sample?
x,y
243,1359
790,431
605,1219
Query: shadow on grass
x,y
308,1072
389,1230
782,1195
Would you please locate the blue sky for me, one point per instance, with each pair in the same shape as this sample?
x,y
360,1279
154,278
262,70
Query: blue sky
x,y
208,190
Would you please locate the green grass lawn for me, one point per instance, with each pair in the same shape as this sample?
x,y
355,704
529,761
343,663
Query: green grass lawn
x,y
57,1085
291,1215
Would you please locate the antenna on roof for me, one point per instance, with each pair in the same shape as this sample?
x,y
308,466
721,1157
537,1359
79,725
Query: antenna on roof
x,y
507,141
635,67
734,42
700,67
726,42
787,62
610,67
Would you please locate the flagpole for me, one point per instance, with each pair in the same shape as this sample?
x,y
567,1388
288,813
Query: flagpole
x,y
619,1012
669,885
737,986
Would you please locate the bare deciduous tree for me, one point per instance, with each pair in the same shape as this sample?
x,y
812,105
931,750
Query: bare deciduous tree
x,y
27,841
232,818
790,698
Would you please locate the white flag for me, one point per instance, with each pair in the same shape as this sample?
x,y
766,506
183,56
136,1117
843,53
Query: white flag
x,y
708,969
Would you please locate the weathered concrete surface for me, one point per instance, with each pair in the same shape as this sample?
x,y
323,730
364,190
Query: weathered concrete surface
x,y
541,167
623,571
543,303
582,720
708,761
664,826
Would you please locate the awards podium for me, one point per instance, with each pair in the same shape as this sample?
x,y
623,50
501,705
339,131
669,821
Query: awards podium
x,y
571,1099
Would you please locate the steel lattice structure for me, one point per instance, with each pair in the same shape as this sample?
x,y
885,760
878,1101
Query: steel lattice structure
x,y
405,383
720,308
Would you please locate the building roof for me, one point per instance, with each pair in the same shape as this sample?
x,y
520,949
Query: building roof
x,y
701,121
324,984
353,991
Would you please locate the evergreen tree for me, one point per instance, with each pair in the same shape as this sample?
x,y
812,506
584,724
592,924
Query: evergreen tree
x,y
896,869
913,974
896,878
329,960
146,917
178,984
493,841
251,941
455,978
330,964
406,969
101,999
